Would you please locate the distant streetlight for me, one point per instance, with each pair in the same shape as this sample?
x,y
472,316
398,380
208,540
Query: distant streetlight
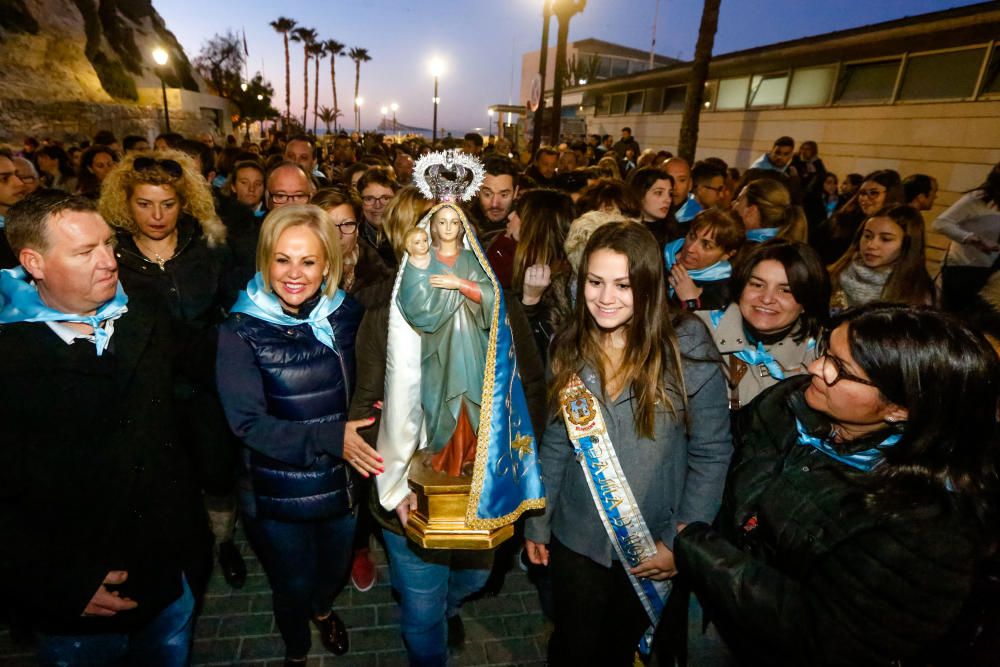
x,y
160,57
395,108
437,69
244,86
260,97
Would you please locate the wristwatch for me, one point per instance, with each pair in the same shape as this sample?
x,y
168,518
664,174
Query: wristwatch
x,y
692,304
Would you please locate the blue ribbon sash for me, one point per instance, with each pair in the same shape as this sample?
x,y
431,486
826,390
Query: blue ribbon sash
x,y
257,302
612,495
19,302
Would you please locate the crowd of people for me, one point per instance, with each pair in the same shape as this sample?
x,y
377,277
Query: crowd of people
x,y
803,420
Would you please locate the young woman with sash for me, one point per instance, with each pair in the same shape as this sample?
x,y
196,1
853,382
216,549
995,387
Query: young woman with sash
x,y
698,267
768,334
641,406
860,508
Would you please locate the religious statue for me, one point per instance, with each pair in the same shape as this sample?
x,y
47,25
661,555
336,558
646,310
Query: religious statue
x,y
455,425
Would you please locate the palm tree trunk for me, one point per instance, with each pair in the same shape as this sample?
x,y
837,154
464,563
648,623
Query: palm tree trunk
x,y
357,84
316,94
305,92
687,142
288,84
333,84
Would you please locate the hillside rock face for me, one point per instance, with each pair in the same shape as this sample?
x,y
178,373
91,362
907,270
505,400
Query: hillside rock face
x,y
69,67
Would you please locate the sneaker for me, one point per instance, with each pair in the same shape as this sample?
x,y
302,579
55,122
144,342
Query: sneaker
x,y
363,572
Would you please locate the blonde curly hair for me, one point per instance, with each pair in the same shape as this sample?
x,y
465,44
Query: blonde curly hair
x,y
191,187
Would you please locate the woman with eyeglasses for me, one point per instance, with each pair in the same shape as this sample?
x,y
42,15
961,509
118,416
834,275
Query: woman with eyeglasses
x,y
860,506
769,332
377,188
973,225
879,189
364,276
170,241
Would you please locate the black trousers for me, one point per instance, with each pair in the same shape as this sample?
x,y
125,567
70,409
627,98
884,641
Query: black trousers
x,y
598,617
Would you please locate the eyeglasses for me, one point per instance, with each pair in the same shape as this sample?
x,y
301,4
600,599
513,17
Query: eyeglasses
x,y
284,197
172,167
347,227
371,200
870,193
832,364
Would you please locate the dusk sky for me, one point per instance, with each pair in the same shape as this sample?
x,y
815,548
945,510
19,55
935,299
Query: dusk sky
x,y
482,42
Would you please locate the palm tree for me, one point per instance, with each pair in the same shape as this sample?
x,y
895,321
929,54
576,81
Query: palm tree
x,y
308,37
358,55
327,115
334,49
687,142
284,26
317,50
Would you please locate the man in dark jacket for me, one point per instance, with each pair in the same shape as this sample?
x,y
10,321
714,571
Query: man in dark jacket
x,y
102,536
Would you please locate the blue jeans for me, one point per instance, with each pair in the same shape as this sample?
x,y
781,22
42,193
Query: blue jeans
x,y
306,564
163,642
432,584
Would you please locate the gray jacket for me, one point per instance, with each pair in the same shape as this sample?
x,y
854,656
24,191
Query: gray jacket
x,y
675,478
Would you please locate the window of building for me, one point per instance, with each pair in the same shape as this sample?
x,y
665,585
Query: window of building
x,y
618,103
633,102
619,67
732,93
991,82
768,90
673,98
708,101
937,76
867,83
603,67
603,106
811,86
653,100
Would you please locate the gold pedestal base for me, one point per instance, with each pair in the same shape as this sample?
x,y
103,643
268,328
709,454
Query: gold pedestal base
x,y
439,520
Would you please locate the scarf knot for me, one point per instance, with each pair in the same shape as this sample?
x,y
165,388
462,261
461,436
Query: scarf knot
x,y
258,302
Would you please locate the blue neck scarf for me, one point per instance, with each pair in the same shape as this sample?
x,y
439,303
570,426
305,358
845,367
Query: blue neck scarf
x,y
257,302
3,221
753,356
864,461
762,234
19,302
721,270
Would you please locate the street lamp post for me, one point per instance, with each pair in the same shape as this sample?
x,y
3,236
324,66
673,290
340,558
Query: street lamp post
x,y
437,68
489,128
395,108
385,112
358,101
160,57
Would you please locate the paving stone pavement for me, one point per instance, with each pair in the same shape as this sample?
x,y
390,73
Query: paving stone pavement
x,y
236,627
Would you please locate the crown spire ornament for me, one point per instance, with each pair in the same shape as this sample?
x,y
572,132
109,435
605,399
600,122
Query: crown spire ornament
x,y
449,176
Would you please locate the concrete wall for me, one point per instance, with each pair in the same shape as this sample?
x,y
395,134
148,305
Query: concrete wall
x,y
957,142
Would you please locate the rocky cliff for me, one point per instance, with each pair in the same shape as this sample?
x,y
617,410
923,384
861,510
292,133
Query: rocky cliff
x,y
71,64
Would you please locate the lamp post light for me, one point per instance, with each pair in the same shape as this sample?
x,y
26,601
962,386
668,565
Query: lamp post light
x,y
385,113
358,101
160,57
395,108
437,69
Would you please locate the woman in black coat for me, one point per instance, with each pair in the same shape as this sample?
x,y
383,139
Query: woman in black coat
x,y
860,505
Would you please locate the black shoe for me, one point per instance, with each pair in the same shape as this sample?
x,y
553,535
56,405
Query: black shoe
x,y
456,633
333,634
231,562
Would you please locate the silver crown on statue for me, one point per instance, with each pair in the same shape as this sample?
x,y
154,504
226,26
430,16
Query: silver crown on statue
x,y
449,176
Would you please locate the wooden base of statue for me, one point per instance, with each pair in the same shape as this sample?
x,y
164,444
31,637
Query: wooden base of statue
x,y
439,520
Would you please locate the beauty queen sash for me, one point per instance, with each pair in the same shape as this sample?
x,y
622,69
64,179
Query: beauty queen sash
x,y
613,497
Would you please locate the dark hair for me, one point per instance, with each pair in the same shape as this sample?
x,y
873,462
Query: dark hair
x,y
105,137
916,185
27,220
332,197
545,216
200,150
726,227
909,281
172,139
946,375
627,129
501,166
545,150
129,142
353,169
784,141
652,362
704,171
475,138
87,183
991,186
608,193
378,176
643,178
58,154
807,278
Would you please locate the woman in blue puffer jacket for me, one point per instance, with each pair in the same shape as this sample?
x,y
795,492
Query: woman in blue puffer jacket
x,y
285,372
